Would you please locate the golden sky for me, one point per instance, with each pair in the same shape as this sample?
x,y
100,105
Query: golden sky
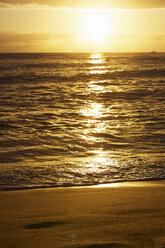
x,y
82,25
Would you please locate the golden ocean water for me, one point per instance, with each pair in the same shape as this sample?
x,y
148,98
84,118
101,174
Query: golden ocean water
x,y
80,119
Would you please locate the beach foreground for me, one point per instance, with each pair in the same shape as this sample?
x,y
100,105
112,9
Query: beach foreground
x,y
117,215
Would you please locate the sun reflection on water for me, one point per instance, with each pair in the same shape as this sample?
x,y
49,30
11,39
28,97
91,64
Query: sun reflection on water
x,y
93,127
96,60
93,109
100,162
95,88
95,124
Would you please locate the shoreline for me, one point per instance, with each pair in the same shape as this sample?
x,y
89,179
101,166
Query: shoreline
x,y
121,215
108,184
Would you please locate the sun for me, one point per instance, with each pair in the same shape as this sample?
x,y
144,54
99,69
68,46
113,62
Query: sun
x,y
95,27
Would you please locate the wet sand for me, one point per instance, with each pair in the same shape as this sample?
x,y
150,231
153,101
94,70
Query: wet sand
x,y
115,215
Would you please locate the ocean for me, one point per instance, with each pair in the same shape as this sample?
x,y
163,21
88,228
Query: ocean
x,y
76,119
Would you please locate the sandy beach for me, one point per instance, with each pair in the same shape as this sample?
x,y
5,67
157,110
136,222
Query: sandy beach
x,y
115,215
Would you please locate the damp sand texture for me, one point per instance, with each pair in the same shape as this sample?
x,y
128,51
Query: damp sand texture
x,y
124,215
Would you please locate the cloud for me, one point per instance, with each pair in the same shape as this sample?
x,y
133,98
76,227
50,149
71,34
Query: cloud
x,y
16,37
36,42
12,37
114,4
48,42
137,43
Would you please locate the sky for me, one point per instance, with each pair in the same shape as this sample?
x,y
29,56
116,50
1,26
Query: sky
x,y
82,25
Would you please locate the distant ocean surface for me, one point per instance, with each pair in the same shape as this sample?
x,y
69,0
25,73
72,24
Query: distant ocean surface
x,y
81,119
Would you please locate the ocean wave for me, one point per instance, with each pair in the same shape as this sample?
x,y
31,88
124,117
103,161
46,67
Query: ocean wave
x,y
72,119
70,185
25,78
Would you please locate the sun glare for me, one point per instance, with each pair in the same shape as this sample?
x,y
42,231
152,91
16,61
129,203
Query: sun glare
x,y
95,27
